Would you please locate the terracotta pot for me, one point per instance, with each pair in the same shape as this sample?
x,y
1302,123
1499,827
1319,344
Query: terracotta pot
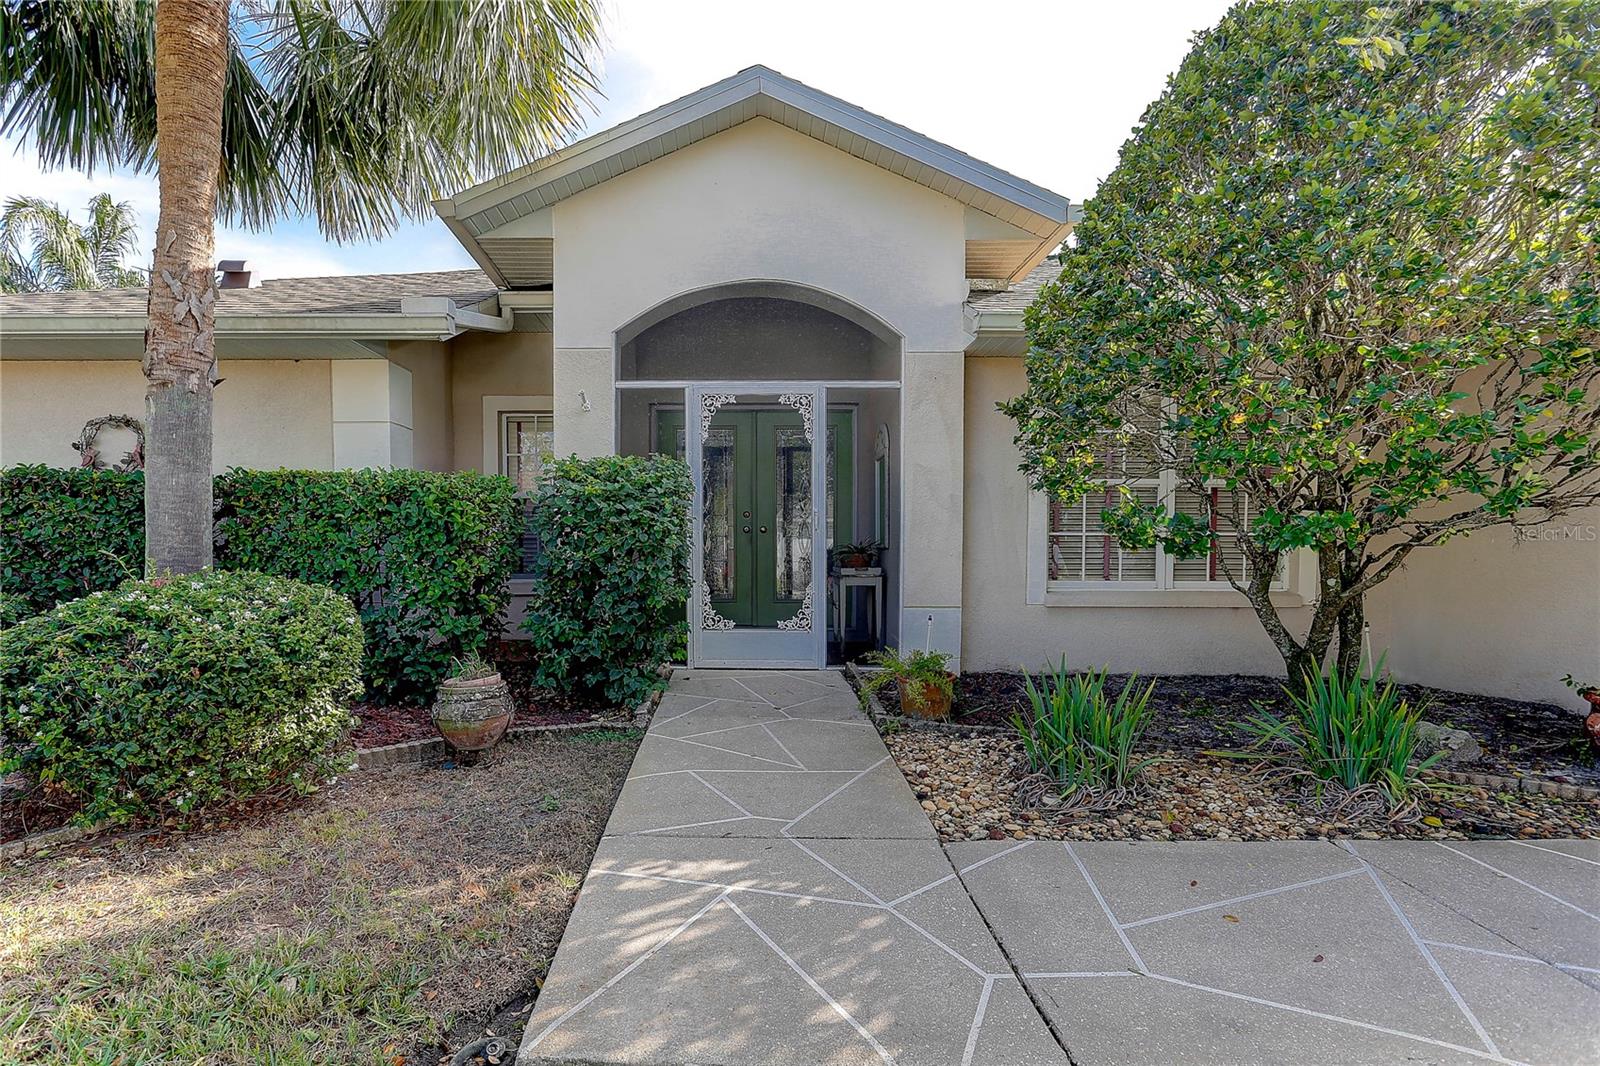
x,y
853,562
472,715
1591,724
922,699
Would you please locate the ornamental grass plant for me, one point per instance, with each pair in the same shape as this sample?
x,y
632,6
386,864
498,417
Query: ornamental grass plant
x,y
1081,740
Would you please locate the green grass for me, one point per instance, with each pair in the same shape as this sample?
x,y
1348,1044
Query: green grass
x,y
360,927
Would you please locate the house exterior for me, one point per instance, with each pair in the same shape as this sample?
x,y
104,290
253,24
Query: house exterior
x,y
731,277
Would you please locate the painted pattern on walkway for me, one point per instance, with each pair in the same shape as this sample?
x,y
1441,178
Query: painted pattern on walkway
x,y
769,892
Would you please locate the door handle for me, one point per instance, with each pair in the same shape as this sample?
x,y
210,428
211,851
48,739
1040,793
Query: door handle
x,y
763,528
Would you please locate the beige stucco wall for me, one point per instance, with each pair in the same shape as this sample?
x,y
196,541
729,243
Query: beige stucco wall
x,y
1492,613
512,365
269,412
759,202
432,438
1480,614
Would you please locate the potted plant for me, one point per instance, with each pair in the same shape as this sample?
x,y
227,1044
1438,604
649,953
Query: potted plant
x,y
923,679
857,556
473,707
1591,693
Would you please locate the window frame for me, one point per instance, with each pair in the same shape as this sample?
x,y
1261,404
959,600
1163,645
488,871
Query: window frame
x,y
1166,581
504,452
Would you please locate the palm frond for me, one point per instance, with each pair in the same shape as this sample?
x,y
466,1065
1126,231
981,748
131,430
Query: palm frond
x,y
358,112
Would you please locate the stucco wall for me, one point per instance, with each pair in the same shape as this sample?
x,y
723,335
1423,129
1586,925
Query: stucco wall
x,y
759,201
432,438
1481,614
1492,613
494,364
269,412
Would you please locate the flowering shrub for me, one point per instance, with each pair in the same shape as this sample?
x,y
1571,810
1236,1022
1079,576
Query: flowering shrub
x,y
609,591
160,698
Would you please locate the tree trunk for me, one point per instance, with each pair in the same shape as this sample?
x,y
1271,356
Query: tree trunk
x,y
191,50
1352,634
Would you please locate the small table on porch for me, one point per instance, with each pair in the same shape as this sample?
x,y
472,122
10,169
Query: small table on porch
x,y
846,578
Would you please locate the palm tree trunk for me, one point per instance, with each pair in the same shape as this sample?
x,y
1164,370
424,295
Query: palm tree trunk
x,y
180,351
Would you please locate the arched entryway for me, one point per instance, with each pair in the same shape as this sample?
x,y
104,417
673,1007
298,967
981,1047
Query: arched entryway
x,y
742,380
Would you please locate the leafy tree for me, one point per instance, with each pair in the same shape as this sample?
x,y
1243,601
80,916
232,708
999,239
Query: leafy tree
x,y
356,112
44,250
1345,273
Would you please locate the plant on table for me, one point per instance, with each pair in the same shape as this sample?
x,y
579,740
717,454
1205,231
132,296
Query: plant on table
x,y
858,556
1355,737
158,698
1079,739
922,678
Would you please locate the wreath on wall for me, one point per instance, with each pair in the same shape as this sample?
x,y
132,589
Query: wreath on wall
x,y
89,453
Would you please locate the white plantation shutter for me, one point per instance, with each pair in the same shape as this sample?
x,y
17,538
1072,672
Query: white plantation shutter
x,y
1080,554
1216,508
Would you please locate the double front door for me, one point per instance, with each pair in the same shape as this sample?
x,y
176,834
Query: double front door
x,y
756,512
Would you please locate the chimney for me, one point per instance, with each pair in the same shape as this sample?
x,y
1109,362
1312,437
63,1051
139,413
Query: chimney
x,y
235,274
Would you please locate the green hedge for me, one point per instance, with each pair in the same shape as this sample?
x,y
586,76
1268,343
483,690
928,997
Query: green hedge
x,y
609,590
162,697
66,533
423,557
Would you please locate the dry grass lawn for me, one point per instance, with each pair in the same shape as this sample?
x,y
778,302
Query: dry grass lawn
x,y
391,912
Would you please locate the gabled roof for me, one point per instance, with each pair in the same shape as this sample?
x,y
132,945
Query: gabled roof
x,y
756,92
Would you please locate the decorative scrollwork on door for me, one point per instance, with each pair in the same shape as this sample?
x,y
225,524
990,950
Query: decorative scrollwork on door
x,y
709,618
801,401
709,405
801,622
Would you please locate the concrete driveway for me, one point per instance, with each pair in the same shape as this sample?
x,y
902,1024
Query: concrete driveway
x,y
769,892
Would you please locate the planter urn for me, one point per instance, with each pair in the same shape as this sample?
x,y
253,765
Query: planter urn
x,y
472,714
923,699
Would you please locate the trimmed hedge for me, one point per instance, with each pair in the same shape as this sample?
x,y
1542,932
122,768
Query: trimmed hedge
x,y
423,557
66,533
162,697
609,591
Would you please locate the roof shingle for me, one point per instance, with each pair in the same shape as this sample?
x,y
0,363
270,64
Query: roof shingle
x,y
359,294
1020,295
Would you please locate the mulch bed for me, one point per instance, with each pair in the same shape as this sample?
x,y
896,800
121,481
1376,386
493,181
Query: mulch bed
x,y
379,724
1196,712
977,787
435,896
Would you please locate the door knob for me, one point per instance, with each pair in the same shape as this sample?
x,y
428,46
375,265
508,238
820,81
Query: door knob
x,y
763,528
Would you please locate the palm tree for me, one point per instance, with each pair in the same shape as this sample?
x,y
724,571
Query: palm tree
x,y
356,112
44,250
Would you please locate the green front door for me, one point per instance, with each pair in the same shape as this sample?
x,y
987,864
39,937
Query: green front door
x,y
757,533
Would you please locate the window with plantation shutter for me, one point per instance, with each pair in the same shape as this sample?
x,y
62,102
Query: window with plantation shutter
x,y
1080,554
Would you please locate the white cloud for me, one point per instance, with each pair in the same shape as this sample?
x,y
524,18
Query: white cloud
x,y
1047,90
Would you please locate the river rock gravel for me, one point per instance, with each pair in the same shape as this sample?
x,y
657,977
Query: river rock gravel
x,y
973,788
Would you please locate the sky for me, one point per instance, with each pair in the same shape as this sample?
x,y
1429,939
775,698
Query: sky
x,y
1047,89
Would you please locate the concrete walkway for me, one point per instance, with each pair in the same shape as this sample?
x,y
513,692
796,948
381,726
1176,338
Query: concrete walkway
x,y
769,892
